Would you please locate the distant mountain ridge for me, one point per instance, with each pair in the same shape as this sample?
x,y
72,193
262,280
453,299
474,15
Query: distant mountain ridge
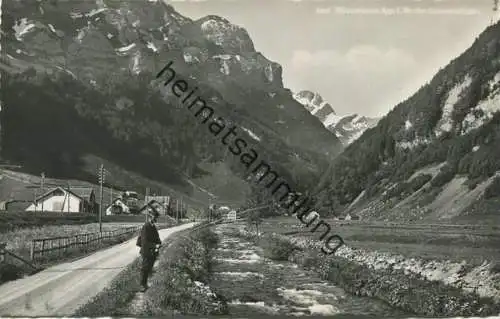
x,y
347,128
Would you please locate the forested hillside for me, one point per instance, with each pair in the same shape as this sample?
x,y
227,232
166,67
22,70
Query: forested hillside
x,y
451,123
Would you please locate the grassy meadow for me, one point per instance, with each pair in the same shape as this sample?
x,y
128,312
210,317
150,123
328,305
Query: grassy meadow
x,y
473,243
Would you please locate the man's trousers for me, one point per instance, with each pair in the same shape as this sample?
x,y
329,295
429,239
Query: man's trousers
x,y
148,261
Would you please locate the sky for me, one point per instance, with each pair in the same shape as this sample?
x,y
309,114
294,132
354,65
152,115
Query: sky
x,y
362,56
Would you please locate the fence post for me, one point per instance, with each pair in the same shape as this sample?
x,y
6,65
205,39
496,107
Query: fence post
x,y
43,247
32,250
2,252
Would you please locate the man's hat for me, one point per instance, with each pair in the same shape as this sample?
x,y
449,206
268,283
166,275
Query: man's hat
x,y
152,212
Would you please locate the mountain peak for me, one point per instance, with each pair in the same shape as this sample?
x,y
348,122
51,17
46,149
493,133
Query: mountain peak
x,y
346,128
221,32
314,103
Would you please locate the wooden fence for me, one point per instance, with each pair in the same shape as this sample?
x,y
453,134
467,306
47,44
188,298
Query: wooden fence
x,y
4,253
41,246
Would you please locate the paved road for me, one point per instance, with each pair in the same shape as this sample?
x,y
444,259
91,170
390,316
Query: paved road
x,y
62,289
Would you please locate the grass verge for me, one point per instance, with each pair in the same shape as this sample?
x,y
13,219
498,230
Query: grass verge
x,y
408,292
177,285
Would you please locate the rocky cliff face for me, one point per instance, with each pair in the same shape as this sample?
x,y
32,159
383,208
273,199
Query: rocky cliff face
x,y
96,42
347,128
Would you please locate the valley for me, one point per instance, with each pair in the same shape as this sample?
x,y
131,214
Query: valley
x,y
415,194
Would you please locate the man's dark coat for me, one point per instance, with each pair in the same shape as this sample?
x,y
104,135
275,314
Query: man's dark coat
x,y
148,239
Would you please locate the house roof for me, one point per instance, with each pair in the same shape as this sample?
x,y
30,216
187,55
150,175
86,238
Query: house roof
x,y
82,193
152,203
160,199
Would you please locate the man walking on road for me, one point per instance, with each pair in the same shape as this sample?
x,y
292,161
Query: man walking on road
x,y
150,242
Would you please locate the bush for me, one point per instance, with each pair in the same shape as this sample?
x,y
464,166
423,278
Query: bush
x,y
207,237
493,190
9,272
177,285
277,248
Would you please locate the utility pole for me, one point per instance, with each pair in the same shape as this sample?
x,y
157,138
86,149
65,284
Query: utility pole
x,y
101,182
177,210
182,209
69,190
111,196
42,186
146,200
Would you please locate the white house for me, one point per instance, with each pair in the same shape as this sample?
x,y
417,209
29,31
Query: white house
x,y
76,200
161,203
352,217
118,206
231,216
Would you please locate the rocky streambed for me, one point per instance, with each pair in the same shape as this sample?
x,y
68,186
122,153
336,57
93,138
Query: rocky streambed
x,y
429,288
256,285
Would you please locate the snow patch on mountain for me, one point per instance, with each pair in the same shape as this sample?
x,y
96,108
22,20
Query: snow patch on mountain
x,y
51,27
81,35
93,12
224,68
269,71
152,46
190,58
136,63
314,102
221,32
23,27
332,119
417,141
125,49
252,134
408,125
223,56
214,30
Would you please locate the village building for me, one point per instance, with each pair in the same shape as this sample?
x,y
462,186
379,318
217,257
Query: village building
x,y
151,205
75,200
16,205
351,217
117,207
162,201
231,216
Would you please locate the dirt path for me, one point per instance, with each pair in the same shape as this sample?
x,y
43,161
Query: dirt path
x,y
62,289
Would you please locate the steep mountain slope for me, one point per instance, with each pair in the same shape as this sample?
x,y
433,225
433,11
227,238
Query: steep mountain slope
x,y
347,128
105,54
435,155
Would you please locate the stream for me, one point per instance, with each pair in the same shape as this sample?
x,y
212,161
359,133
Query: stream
x,y
256,285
